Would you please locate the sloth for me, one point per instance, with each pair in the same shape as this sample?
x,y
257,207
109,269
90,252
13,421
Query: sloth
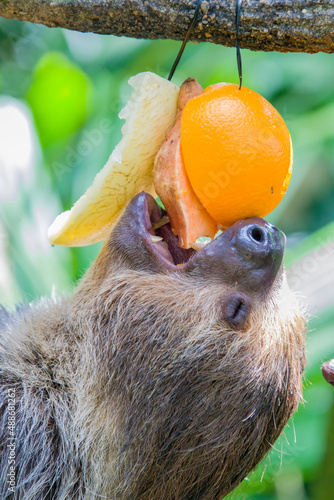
x,y
168,373
328,371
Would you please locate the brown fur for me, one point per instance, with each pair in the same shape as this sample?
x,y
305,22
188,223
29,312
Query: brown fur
x,y
136,388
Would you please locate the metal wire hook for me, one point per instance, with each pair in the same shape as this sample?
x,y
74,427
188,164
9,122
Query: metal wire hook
x,y
237,23
186,38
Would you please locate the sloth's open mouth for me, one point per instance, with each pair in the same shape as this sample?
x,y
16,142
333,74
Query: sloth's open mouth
x,y
251,249
163,241
154,228
167,243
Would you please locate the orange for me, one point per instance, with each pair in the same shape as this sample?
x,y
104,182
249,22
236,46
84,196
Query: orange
x,y
237,152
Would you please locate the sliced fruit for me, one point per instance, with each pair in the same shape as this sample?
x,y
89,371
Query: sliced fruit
x,y
188,217
149,116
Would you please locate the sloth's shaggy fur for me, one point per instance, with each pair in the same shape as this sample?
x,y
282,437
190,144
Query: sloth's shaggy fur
x,y
136,388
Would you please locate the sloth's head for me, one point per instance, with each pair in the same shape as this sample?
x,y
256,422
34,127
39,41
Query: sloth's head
x,y
203,352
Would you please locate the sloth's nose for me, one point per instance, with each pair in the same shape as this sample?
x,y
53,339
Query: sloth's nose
x,y
258,241
247,256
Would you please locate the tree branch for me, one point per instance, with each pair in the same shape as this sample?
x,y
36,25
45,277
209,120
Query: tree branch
x,y
282,25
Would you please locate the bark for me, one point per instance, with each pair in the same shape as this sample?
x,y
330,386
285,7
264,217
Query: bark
x,y
282,25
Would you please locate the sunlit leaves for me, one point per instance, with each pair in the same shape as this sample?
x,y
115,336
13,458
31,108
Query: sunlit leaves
x,y
60,97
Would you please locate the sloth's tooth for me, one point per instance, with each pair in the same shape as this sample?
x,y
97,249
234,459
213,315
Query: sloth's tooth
x,y
198,245
155,239
164,220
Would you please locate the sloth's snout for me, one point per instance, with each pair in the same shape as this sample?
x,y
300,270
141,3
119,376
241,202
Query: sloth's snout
x,y
248,256
255,252
258,241
257,234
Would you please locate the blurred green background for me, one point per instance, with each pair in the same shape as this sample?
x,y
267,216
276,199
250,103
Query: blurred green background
x,y
58,88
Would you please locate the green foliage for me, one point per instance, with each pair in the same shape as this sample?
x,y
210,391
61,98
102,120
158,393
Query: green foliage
x,y
74,85
59,96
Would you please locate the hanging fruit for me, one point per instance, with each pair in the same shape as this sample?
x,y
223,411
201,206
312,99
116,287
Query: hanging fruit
x,y
219,155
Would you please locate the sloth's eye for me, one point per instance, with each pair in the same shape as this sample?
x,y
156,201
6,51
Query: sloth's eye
x,y
236,309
